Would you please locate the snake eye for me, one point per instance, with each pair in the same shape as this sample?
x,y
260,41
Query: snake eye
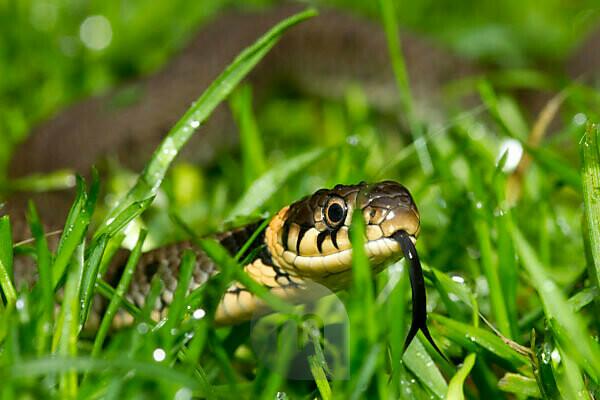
x,y
335,211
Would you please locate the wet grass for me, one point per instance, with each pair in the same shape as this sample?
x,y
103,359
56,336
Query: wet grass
x,y
510,258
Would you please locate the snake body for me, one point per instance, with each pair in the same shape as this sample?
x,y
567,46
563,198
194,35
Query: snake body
x,y
306,242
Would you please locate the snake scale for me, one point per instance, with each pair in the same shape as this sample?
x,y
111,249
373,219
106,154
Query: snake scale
x,y
303,241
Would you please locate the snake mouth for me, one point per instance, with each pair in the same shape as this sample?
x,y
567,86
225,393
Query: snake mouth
x,y
419,295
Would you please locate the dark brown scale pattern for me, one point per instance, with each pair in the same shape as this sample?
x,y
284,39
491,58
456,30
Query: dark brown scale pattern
x,y
281,277
164,262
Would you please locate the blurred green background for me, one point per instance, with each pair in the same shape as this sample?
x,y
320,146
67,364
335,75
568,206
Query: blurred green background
x,y
45,63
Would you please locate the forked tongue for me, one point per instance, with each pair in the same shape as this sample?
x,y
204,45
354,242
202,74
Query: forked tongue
x,y
417,283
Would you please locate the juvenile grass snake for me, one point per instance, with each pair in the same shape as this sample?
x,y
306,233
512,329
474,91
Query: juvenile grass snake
x,y
307,241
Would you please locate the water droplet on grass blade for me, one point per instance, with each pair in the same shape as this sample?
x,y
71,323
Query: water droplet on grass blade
x,y
142,328
96,32
199,313
183,394
579,119
159,355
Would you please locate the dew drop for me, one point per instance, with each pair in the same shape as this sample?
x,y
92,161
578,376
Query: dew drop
x,y
579,119
96,32
183,394
199,313
159,355
352,140
514,148
142,328
555,357
281,396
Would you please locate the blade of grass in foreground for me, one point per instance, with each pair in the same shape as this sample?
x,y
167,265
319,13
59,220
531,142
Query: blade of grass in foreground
x,y
231,268
363,323
388,14
251,144
519,385
591,187
188,262
455,387
267,185
76,226
6,260
154,172
472,338
120,367
65,336
419,362
573,334
115,301
44,259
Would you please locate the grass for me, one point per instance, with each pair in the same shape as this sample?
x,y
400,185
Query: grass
x,y
519,250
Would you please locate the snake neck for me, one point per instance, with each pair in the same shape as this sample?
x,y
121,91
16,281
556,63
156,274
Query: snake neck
x,y
238,303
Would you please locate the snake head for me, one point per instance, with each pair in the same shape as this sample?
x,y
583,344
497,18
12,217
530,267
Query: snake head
x,y
310,238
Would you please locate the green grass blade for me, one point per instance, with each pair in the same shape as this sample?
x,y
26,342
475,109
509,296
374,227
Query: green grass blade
x,y
151,178
56,180
520,385
362,307
231,268
91,268
104,289
473,339
591,194
395,308
118,223
44,259
320,378
6,262
188,262
361,312
115,301
489,266
455,387
365,372
575,337
121,366
251,146
569,377
66,334
504,112
555,164
76,226
419,362
271,181
390,25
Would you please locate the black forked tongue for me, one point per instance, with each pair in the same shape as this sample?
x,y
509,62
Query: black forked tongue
x,y
417,283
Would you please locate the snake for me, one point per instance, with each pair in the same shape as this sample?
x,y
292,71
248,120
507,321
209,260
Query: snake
x,y
304,243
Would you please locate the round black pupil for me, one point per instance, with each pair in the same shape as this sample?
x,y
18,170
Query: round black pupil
x,y
335,212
